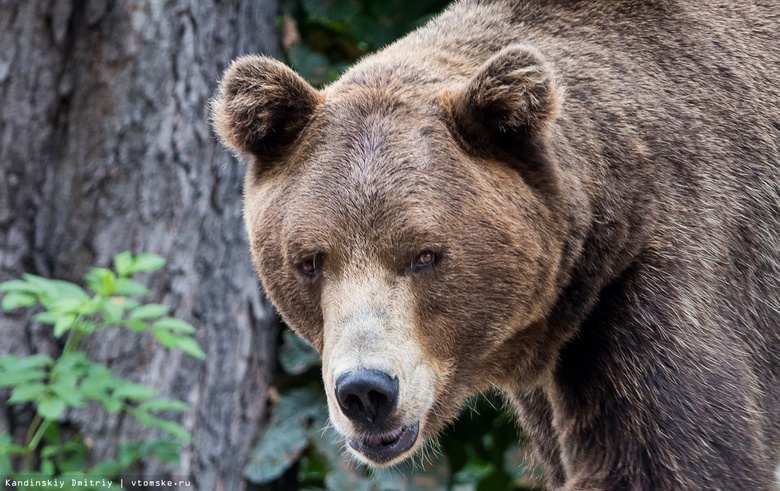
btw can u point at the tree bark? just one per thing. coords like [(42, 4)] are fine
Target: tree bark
[(105, 146)]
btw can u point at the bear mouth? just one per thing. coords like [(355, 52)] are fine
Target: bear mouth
[(384, 447)]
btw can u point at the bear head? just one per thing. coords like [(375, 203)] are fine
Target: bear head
[(405, 221)]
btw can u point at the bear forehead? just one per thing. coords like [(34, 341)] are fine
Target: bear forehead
[(367, 114), (371, 169), (367, 151), (368, 192)]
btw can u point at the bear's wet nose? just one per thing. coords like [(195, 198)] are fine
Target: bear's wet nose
[(367, 396)]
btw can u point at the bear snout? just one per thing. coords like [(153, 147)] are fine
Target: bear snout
[(367, 397)]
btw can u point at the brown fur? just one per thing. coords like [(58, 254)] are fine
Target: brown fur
[(600, 182)]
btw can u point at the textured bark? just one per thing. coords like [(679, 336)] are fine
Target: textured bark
[(105, 146)]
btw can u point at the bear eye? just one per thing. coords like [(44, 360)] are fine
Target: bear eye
[(424, 260), (312, 266)]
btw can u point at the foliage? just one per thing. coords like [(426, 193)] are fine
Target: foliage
[(477, 453), (322, 38), (53, 385)]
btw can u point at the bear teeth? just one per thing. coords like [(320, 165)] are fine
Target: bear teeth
[(382, 448), (384, 439)]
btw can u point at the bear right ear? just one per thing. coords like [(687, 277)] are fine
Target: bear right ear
[(261, 107), (511, 100)]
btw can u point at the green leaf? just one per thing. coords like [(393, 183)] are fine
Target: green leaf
[(15, 300), (174, 429), (110, 468), (175, 325), (62, 324), (164, 405), (71, 363), (49, 291), (66, 289), (368, 30), (129, 453), (47, 467), (7, 450), (113, 406), (407, 476), (133, 391), (165, 338), (66, 305), (71, 398), (136, 325), (51, 407), (27, 393), (6, 469), (99, 372), (10, 379), (47, 317), (90, 306), (73, 455), (474, 471), (7, 445), (348, 481), (310, 64), (149, 311), (113, 309), (279, 447), (11, 362), (129, 303), (7, 361), (18, 286), (333, 10), (68, 390), (147, 262), (287, 434), (296, 355), (41, 284), (328, 447), (184, 343), (123, 263), (126, 286), (50, 451), (164, 450), (97, 382), (303, 404), (52, 434), (101, 281), (191, 347)]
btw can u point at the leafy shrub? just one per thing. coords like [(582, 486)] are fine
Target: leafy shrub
[(52, 385), (322, 38)]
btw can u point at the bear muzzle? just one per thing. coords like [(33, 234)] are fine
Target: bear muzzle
[(368, 398), (386, 447)]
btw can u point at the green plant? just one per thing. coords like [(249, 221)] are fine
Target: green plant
[(52, 385), (321, 39)]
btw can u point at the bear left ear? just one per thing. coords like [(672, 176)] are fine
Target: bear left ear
[(513, 96), (261, 107)]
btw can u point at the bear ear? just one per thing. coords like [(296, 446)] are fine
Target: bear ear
[(261, 107), (511, 99)]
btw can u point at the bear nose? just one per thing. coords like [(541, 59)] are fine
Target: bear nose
[(367, 396)]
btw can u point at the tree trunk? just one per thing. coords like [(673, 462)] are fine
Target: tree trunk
[(105, 146)]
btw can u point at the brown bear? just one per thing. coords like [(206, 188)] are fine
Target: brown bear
[(575, 202)]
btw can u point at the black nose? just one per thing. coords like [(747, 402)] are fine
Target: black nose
[(367, 396)]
